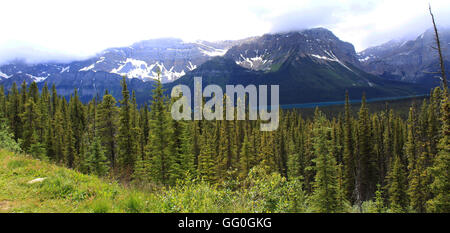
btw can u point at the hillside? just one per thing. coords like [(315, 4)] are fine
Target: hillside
[(67, 191), (408, 60)]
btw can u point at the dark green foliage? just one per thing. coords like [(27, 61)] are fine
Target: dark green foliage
[(327, 190), (315, 164), (126, 141), (160, 149), (96, 161)]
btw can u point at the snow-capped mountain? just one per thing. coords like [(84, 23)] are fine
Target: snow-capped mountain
[(172, 57), (407, 60), (309, 65), (142, 60), (264, 53)]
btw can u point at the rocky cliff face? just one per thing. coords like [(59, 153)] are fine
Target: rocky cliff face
[(309, 66), (407, 60), (266, 53)]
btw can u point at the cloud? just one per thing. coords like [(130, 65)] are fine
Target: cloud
[(318, 14), (364, 23), (53, 30), (32, 54)]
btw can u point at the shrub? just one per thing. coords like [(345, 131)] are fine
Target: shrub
[(7, 139), (134, 204), (101, 206), (273, 193)]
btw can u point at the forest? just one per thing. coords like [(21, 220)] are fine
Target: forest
[(371, 162)]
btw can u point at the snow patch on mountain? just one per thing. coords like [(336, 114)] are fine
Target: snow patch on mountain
[(101, 60), (3, 75), (87, 68), (36, 78), (254, 63), (191, 67), (213, 52), (65, 69), (134, 68), (331, 57)]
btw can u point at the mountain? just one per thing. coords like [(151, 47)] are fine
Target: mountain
[(310, 66), (173, 57), (139, 62), (408, 60)]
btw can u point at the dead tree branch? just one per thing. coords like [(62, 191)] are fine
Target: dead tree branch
[(441, 59)]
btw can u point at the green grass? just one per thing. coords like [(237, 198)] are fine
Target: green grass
[(64, 190), (67, 191)]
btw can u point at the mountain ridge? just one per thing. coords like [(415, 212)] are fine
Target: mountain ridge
[(314, 62)]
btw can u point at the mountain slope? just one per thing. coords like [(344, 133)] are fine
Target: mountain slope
[(33, 186), (142, 60), (306, 72), (408, 60), (310, 66)]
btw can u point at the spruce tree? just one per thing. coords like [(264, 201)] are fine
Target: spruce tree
[(107, 127), (183, 163), (246, 158), (30, 123), (3, 110), (207, 157), (96, 160), (348, 157), (440, 170), (397, 186), (417, 190), (160, 149), (125, 140), (365, 162), (325, 198), (14, 111)]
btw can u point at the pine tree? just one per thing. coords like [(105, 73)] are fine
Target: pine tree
[(207, 156), (107, 127), (397, 186), (14, 111), (348, 157), (36, 149), (55, 100), (126, 141), (33, 92), (325, 197), (30, 122), (183, 156), (246, 158), (365, 162), (69, 139), (379, 201), (440, 170), (416, 165), (78, 123), (96, 160), (266, 153), (3, 110), (59, 135), (226, 154), (160, 149)]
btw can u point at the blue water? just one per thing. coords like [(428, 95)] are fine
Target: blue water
[(322, 104)]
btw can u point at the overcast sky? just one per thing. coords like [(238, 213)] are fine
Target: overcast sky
[(64, 30)]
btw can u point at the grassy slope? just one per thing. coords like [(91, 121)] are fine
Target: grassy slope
[(63, 190), (66, 190)]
